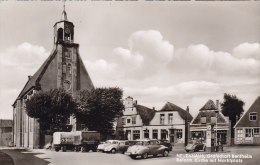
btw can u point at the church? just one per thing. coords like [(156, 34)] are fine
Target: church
[(64, 68)]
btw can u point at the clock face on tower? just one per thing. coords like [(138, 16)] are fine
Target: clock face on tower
[(67, 30)]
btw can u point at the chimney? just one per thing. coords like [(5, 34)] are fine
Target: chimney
[(153, 108), (188, 109), (217, 104), (29, 77)]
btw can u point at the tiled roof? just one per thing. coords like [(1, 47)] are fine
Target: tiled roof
[(172, 107), (244, 120), (210, 105)]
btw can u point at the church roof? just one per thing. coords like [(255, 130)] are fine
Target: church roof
[(45, 78), (172, 107), (33, 81), (210, 105), (244, 120)]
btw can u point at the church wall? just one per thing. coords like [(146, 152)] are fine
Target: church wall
[(48, 82)]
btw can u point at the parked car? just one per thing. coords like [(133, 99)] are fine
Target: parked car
[(101, 147), (167, 144), (195, 146), (147, 147), (119, 146)]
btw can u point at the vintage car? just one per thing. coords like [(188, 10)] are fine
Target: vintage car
[(101, 147), (119, 146), (195, 146), (147, 147), (167, 144)]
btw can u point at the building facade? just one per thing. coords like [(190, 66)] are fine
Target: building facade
[(62, 69), (170, 123), (247, 129), (210, 122), (6, 132)]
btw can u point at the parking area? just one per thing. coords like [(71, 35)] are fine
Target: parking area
[(24, 157)]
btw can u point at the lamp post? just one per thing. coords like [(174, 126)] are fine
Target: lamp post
[(216, 137)]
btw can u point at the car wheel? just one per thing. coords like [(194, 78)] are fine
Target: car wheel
[(113, 151), (165, 153), (82, 149), (64, 149), (155, 155), (187, 151), (132, 156), (196, 150), (57, 149), (144, 155)]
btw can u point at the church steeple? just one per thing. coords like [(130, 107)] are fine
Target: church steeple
[(64, 14), (64, 29)]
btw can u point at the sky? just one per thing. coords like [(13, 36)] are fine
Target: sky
[(181, 52)]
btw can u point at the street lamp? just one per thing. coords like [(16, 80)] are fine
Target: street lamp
[(216, 137)]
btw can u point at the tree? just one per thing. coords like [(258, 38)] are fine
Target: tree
[(233, 108), (99, 108), (52, 108)]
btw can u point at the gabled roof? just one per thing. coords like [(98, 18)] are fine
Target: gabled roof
[(145, 113), (45, 77), (244, 120), (172, 107), (210, 105)]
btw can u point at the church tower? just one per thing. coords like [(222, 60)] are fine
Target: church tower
[(63, 68)]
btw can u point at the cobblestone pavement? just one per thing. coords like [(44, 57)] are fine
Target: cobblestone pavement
[(249, 155)]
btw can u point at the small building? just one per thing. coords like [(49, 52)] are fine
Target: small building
[(247, 129), (6, 132), (170, 123), (210, 115)]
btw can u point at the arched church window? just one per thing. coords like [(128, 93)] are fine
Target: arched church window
[(60, 34), (69, 68)]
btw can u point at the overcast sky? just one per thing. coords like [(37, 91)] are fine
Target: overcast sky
[(182, 52)]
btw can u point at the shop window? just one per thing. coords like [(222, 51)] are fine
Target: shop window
[(146, 133), (163, 134), (203, 120), (170, 118), (136, 134), (155, 134), (179, 133), (248, 133), (252, 116), (256, 131), (162, 118)]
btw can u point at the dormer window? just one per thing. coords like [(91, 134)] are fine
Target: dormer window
[(203, 120), (162, 118), (253, 116)]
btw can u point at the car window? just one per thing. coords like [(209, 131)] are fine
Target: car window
[(126, 143)]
